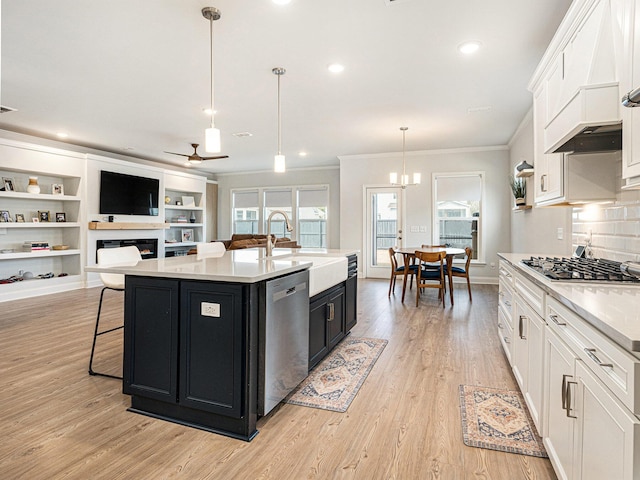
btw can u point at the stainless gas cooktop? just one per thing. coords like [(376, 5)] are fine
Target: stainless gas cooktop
[(577, 269)]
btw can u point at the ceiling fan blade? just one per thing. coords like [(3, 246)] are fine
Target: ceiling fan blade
[(181, 154), (215, 158)]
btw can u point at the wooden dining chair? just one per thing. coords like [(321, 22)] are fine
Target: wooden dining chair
[(464, 272), (432, 265), (431, 278), (399, 270)]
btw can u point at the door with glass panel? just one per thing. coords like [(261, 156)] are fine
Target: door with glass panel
[(383, 219)]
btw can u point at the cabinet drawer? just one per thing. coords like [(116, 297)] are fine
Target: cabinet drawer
[(506, 273), (505, 300), (505, 332), (531, 294), (616, 368)]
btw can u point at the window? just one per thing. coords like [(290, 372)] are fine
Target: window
[(245, 211), (312, 216), (458, 206), (307, 208), (278, 200)]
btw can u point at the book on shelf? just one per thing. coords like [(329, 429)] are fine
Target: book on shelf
[(34, 246)]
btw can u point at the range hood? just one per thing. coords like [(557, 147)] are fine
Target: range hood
[(589, 122)]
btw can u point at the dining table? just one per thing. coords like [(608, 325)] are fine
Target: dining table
[(408, 253)]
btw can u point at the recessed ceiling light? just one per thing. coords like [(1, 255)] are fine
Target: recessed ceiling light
[(469, 47), (128, 148), (484, 108), (302, 154), (62, 135), (242, 134), (336, 68), (281, 2)]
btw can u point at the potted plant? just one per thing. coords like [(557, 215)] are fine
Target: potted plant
[(519, 189)]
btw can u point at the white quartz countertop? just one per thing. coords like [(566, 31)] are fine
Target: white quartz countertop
[(614, 310), (241, 266)]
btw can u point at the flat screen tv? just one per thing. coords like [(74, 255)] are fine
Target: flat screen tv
[(122, 194)]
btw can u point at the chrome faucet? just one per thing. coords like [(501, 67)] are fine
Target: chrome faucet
[(271, 243)]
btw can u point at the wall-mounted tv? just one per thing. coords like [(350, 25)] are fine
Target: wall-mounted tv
[(122, 194)]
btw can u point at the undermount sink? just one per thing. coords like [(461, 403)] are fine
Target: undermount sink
[(325, 272)]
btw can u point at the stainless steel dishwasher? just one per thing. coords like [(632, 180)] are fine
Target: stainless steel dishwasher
[(284, 339)]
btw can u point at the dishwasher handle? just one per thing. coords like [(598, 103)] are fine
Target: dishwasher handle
[(287, 292)]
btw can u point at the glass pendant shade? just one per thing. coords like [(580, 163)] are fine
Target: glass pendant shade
[(279, 164), (417, 178), (212, 140), (393, 177), (404, 178)]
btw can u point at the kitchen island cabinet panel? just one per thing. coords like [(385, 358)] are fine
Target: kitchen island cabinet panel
[(151, 338), (211, 348)]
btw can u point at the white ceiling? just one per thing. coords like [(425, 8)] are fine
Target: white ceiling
[(135, 74)]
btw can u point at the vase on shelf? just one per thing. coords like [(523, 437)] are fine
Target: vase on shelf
[(192, 218), (33, 186), (521, 201)]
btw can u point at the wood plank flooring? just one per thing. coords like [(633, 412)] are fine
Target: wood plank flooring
[(58, 422)]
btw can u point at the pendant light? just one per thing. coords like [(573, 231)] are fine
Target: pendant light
[(404, 178), (279, 163), (212, 134)]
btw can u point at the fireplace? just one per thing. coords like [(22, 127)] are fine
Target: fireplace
[(148, 246)]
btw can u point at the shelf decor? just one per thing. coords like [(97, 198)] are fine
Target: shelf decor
[(519, 190), (33, 186)]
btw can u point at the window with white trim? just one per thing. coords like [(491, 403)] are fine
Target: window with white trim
[(307, 208), (457, 216)]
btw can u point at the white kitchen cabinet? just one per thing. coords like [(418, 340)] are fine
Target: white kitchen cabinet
[(184, 219), (505, 308), (528, 339), (630, 80), (549, 168), (558, 425), (606, 434)]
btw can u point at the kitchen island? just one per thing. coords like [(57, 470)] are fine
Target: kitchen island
[(202, 337)]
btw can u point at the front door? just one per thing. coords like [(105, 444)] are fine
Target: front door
[(383, 220)]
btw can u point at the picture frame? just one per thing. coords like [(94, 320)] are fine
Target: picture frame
[(57, 189), (19, 218), (61, 217), (35, 219), (5, 217), (44, 216), (187, 234), (188, 201), (8, 184)]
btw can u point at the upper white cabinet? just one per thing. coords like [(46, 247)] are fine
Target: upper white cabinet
[(630, 79), (575, 87)]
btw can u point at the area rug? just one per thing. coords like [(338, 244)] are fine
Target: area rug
[(498, 419), (334, 382)]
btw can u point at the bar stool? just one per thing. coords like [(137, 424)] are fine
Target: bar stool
[(209, 250), (110, 257)]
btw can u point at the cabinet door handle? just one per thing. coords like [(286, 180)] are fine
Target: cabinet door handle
[(507, 303), (500, 326), (556, 321), (332, 311), (543, 187), (564, 391), (506, 340), (569, 399), (521, 327), (501, 294), (591, 352)]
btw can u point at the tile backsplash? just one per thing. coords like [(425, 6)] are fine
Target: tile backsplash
[(614, 228)]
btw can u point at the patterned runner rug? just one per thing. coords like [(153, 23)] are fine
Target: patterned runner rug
[(498, 419), (334, 382)]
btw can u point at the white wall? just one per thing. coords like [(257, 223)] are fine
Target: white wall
[(535, 230), (356, 171), (292, 178)]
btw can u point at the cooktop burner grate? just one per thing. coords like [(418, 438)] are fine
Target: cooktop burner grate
[(576, 269)]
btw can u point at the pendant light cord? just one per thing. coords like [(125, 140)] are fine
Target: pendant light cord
[(211, 41), (279, 119)]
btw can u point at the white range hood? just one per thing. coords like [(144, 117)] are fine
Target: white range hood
[(592, 108)]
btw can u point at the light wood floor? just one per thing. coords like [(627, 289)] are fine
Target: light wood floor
[(58, 422)]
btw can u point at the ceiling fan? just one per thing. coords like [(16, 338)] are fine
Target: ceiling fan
[(196, 159)]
